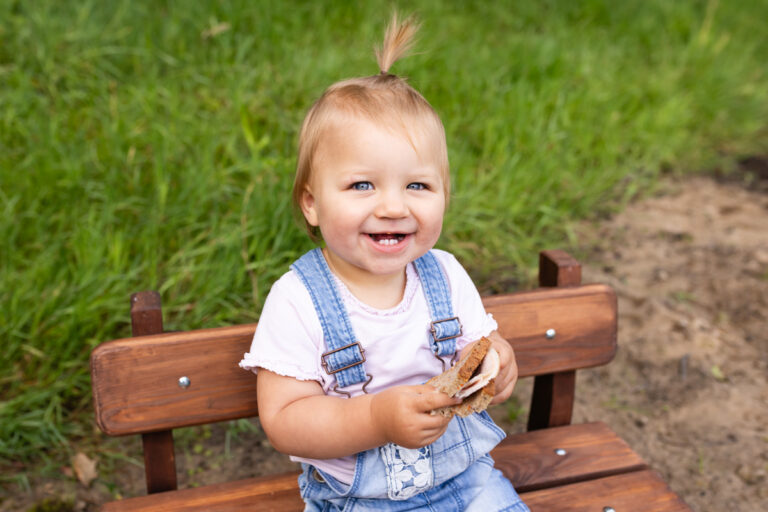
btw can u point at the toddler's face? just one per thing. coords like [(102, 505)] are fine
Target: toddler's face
[(379, 205)]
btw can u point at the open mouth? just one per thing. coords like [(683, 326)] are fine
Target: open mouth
[(387, 238)]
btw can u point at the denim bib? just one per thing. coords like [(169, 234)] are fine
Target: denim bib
[(344, 358), (453, 470)]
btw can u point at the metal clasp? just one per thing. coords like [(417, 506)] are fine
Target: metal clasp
[(331, 372), (434, 331), (347, 393)]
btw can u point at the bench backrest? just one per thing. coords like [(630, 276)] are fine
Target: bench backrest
[(138, 383), (136, 380)]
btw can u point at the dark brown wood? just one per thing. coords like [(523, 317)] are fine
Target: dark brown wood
[(136, 390), (639, 491), (552, 400), (558, 268), (592, 450), (159, 454), (159, 461), (554, 394), (146, 313), (583, 317), (135, 380), (529, 461), (279, 493)]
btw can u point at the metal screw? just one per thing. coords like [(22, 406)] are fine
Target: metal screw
[(550, 334), (184, 382), (608, 509), (560, 452)]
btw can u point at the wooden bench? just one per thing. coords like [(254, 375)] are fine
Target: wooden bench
[(138, 388)]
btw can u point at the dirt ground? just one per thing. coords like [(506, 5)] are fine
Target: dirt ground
[(688, 388)]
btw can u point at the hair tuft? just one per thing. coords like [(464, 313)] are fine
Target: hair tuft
[(398, 40)]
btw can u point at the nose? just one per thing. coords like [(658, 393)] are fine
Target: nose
[(392, 205)]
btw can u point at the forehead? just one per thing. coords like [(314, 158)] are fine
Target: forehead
[(348, 129)]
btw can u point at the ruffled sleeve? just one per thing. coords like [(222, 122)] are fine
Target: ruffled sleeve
[(289, 336)]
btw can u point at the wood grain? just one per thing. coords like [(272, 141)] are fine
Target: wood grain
[(583, 318), (639, 491), (529, 461), (159, 453), (558, 268), (279, 493), (552, 400), (592, 450), (135, 380), (554, 394)]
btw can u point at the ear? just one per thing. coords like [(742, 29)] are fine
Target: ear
[(308, 207)]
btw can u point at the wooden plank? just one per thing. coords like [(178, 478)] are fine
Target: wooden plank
[(639, 491), (558, 268), (529, 460), (278, 493), (583, 319), (552, 400), (159, 461), (135, 380), (554, 394), (159, 454), (591, 450)]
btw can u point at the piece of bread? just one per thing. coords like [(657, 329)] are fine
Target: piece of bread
[(472, 377)]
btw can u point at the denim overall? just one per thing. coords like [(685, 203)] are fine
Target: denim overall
[(453, 473)]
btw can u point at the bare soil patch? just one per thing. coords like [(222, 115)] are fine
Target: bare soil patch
[(688, 388)]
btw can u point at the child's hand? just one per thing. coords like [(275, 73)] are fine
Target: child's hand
[(507, 377), (402, 414)]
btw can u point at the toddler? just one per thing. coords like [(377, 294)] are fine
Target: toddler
[(348, 337)]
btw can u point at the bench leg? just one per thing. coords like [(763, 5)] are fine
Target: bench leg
[(159, 457), (552, 400), (159, 461)]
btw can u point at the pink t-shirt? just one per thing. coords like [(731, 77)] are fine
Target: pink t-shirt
[(289, 338)]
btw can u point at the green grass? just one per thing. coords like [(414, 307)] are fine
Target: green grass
[(152, 145)]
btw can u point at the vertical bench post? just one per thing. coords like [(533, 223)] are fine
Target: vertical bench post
[(159, 457), (554, 393)]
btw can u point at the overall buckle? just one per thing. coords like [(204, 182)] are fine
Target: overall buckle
[(433, 329), (331, 372)]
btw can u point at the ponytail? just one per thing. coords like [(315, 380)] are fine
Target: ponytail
[(398, 40)]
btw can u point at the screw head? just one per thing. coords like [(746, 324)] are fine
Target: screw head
[(550, 333), (608, 509), (184, 382), (561, 452)]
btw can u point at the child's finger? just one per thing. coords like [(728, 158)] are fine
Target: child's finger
[(430, 398)]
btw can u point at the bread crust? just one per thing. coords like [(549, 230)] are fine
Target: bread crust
[(452, 380)]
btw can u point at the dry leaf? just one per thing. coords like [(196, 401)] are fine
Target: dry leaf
[(85, 468), (215, 30)]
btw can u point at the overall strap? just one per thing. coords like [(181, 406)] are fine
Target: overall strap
[(445, 327), (344, 358)]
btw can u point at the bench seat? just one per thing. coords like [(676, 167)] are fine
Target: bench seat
[(592, 451), (638, 491), (154, 382)]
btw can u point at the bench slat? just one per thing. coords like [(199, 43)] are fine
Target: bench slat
[(135, 380), (592, 450), (639, 491), (583, 318), (527, 459), (278, 493)]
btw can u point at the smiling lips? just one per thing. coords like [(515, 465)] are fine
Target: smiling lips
[(387, 238)]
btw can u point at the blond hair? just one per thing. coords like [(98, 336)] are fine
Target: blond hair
[(384, 99)]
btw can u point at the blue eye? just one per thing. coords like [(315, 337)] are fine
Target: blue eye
[(416, 186), (362, 185)]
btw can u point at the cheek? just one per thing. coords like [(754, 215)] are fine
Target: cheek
[(432, 222), (339, 224)]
